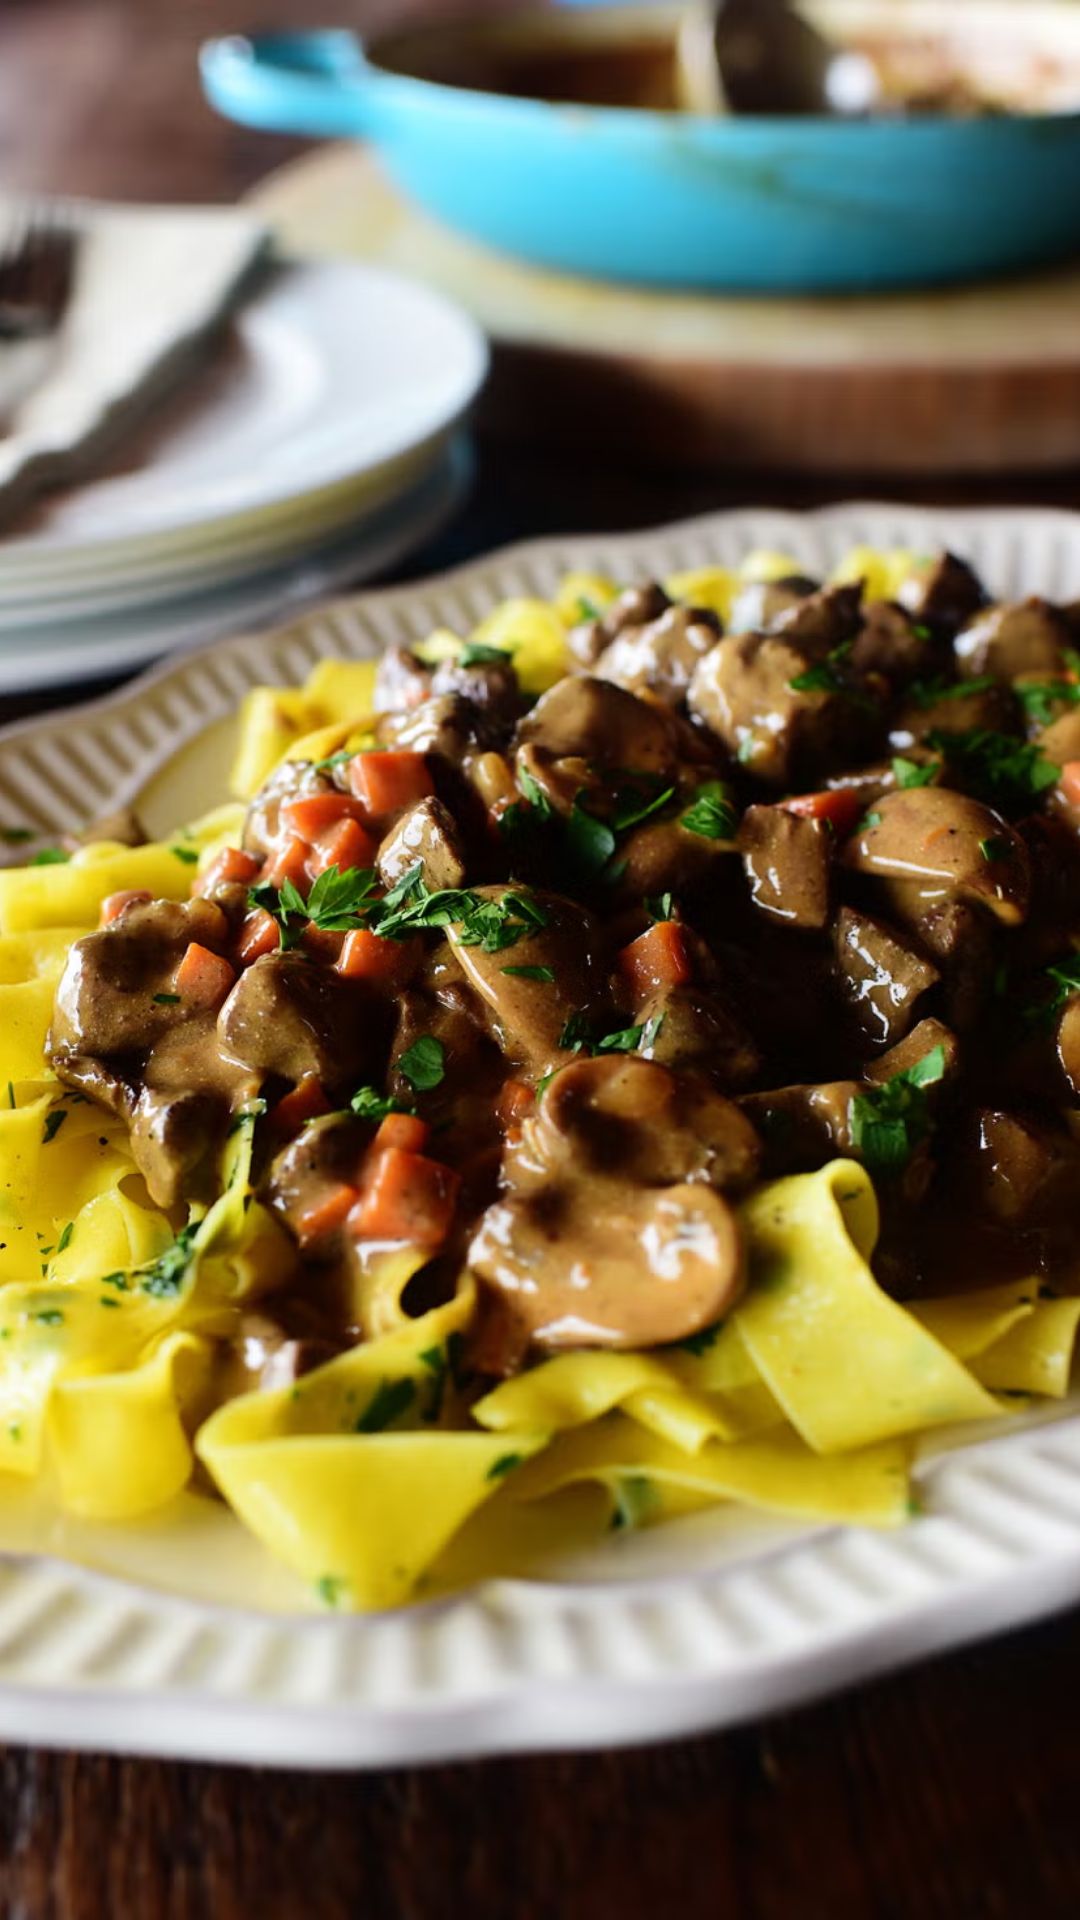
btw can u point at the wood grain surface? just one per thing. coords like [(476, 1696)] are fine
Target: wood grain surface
[(950, 1792)]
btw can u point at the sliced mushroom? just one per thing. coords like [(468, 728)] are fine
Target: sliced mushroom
[(530, 990), (609, 1232), (930, 843), (624, 1117), (923, 1039)]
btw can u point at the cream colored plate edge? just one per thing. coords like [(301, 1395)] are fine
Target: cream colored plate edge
[(661, 1634)]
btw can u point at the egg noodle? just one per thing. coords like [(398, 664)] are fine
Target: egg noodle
[(374, 1477)]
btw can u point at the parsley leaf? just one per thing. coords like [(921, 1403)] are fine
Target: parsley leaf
[(165, 1276), (189, 855), (166, 999), (336, 903), (369, 1104), (908, 773), (390, 1400), (424, 1063), (928, 693), (632, 806), (49, 857), (826, 676), (53, 1123), (590, 842), (505, 1464), (475, 654), (544, 975), (888, 1122), (1064, 978), (1004, 773), (632, 1039), (1041, 699), (995, 847), (660, 907), (712, 814)]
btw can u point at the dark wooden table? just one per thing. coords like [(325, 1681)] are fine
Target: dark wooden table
[(951, 1792)]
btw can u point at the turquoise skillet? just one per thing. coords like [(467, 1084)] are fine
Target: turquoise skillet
[(666, 199)]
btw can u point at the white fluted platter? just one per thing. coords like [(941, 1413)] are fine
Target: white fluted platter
[(179, 1637)]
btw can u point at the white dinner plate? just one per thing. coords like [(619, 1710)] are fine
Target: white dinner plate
[(331, 372), (120, 640), (180, 1636), (268, 544)]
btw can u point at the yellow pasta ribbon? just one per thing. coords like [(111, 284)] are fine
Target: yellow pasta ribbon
[(847, 1364)]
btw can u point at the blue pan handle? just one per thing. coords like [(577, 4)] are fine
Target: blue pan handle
[(312, 83)]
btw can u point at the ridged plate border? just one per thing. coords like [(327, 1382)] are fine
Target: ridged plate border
[(88, 1661)]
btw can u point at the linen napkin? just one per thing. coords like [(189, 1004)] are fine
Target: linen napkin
[(150, 285)]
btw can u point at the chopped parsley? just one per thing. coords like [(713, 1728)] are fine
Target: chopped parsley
[(699, 1343), (11, 1094), (587, 609), (1042, 699), (64, 1241), (165, 1276), (16, 836), (826, 676), (247, 1116), (1003, 773), (1064, 981), (635, 1498), (189, 855), (632, 1039), (424, 1063), (336, 903), (995, 847), (543, 975), (390, 1400), (928, 693), (47, 1316), (590, 842), (53, 1123), (660, 907), (633, 806), (475, 654), (49, 857), (330, 1588), (711, 814), (909, 773), (369, 1104), (871, 819), (166, 999), (505, 1464), (888, 1122)]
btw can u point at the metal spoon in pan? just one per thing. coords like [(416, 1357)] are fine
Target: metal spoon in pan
[(763, 57)]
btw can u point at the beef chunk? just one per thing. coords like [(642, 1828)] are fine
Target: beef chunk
[(882, 976), (287, 1017), (788, 860)]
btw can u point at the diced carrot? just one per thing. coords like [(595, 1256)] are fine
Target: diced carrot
[(117, 903), (1069, 783), (203, 978), (659, 957), (401, 1130), (310, 814), (307, 1101), (342, 846), (405, 1197), (839, 807), (231, 867), (514, 1104), (367, 956), (288, 862), (389, 782), (330, 1210), (259, 934)]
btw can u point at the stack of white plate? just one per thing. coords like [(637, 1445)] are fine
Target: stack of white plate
[(321, 443)]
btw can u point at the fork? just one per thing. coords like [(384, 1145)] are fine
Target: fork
[(37, 271)]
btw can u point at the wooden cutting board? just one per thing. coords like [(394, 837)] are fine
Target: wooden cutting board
[(983, 379)]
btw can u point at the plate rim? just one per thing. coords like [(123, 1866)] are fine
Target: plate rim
[(473, 1675)]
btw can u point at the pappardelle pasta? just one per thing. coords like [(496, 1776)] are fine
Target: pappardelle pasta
[(617, 1062)]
